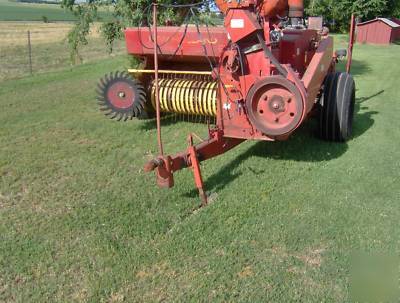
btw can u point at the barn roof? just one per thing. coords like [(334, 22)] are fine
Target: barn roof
[(389, 22)]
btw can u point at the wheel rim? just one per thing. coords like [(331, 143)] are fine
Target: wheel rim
[(121, 95)]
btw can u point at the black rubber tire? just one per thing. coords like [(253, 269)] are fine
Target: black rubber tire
[(337, 107)]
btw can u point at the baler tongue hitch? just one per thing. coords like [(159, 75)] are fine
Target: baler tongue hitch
[(258, 78), (153, 164)]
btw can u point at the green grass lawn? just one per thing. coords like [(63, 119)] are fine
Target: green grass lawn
[(18, 11), (81, 221)]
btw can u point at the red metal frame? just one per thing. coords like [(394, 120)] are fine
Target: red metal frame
[(351, 43), (215, 145), (278, 82), (140, 40), (157, 92)]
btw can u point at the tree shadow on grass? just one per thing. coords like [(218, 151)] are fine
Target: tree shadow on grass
[(302, 147)]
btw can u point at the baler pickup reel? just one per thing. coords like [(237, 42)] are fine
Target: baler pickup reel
[(259, 77)]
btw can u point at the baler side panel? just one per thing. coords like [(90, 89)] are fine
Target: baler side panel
[(173, 41), (296, 48), (316, 72)]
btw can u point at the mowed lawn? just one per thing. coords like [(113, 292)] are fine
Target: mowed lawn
[(80, 220)]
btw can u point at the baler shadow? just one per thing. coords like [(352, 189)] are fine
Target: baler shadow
[(357, 67), (365, 99), (363, 119), (303, 147), (170, 119)]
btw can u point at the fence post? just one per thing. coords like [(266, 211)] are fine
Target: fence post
[(30, 52)]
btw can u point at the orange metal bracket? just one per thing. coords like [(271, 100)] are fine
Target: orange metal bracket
[(351, 43), (197, 171)]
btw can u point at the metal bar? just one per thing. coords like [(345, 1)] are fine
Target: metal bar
[(167, 165), (159, 138), (317, 70), (163, 71), (198, 179), (351, 43)]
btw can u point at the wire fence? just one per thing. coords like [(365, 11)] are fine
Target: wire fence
[(33, 51)]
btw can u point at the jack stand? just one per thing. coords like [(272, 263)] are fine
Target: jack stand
[(197, 172)]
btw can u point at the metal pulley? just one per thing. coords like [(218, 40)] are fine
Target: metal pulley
[(275, 106)]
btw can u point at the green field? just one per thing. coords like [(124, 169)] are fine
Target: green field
[(17, 11), (80, 220), (50, 56)]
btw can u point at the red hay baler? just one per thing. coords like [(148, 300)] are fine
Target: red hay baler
[(259, 77)]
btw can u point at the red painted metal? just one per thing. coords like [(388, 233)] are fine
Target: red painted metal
[(275, 106), (396, 31), (139, 42), (269, 9), (225, 6), (198, 179), (296, 8), (296, 48), (351, 43), (378, 31), (121, 95), (320, 65), (266, 89), (273, 8), (155, 50), (240, 24), (165, 166)]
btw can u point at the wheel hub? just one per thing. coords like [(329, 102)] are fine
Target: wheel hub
[(121, 96), (276, 104)]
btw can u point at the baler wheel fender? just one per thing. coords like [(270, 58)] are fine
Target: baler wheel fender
[(337, 107), (121, 97)]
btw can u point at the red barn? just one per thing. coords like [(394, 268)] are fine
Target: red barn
[(378, 31)]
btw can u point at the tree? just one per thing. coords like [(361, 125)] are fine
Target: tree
[(337, 12)]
